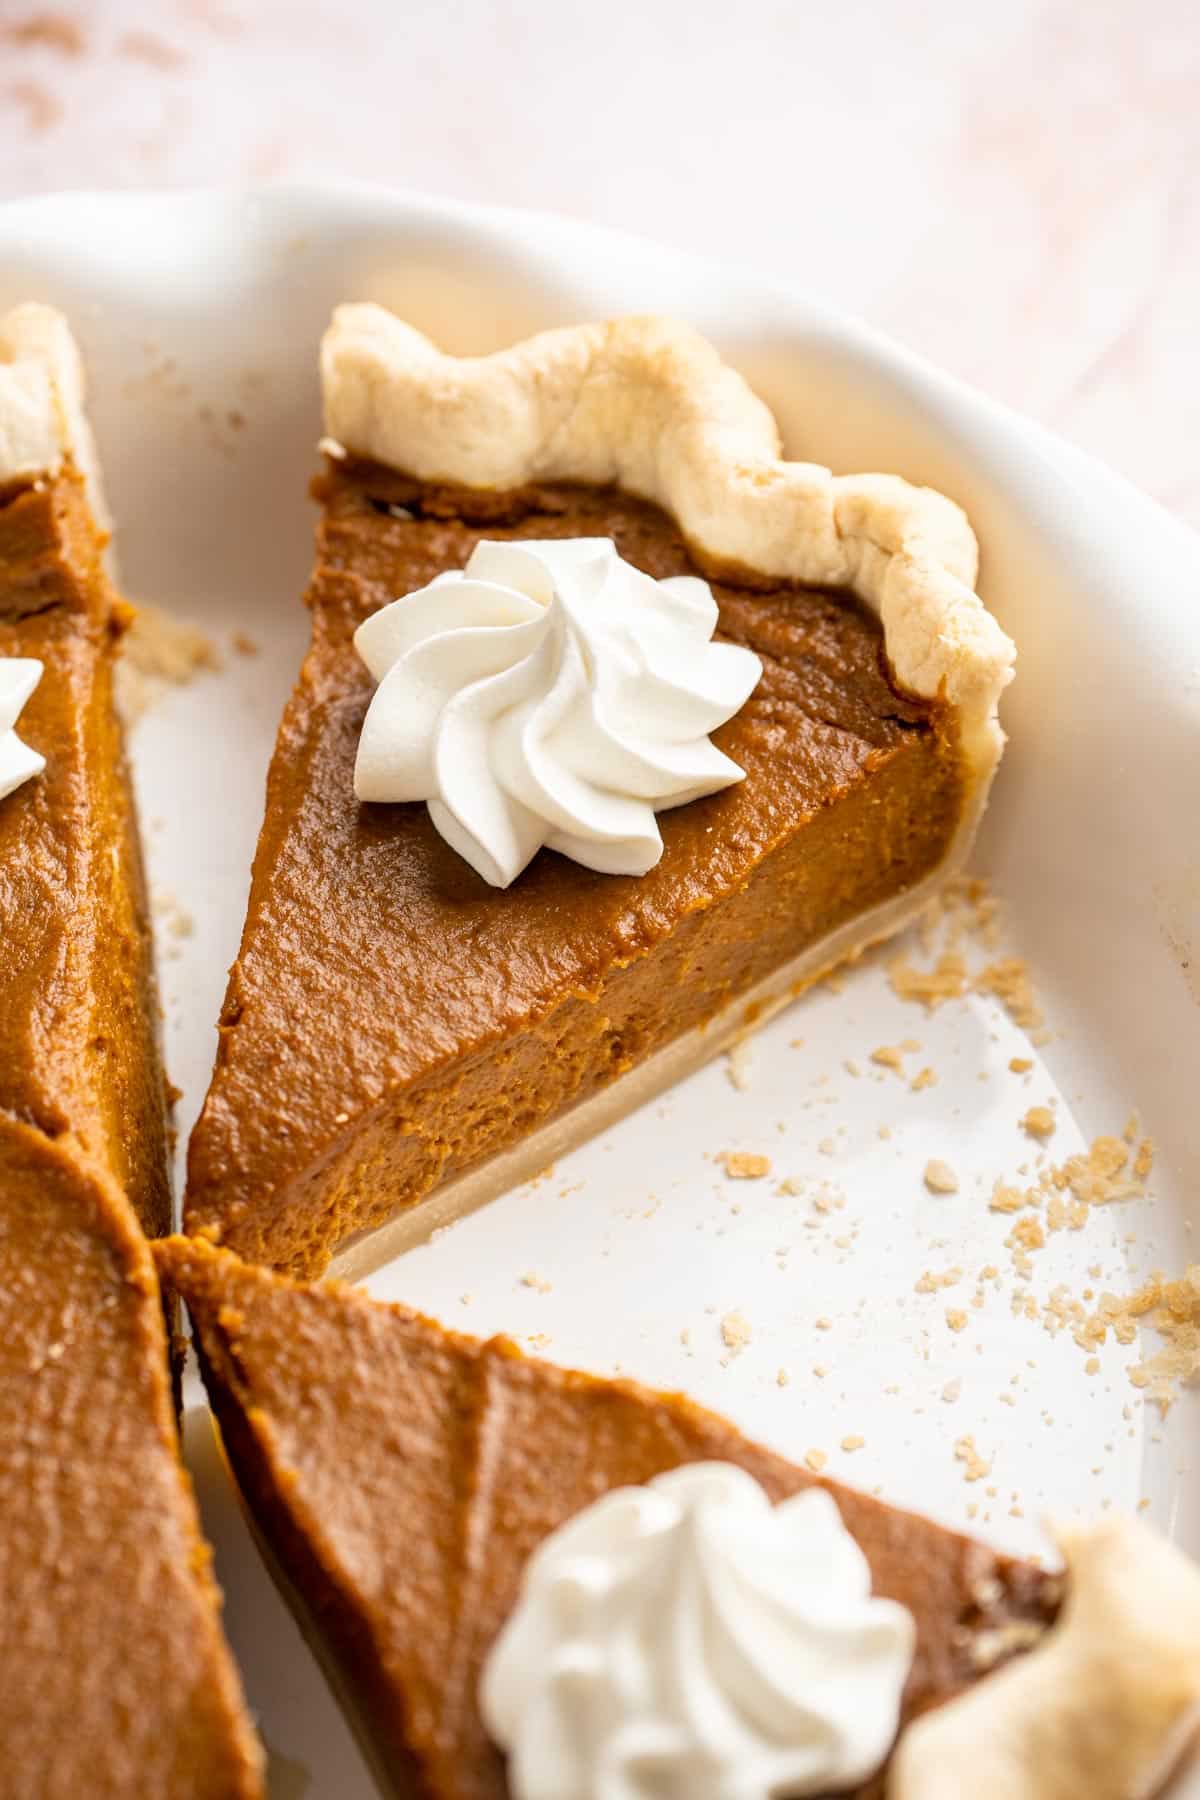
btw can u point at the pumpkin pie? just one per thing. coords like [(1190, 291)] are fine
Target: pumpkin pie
[(403, 1037), (114, 1678), (401, 1476)]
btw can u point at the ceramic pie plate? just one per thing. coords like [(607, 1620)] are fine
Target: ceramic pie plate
[(796, 1303)]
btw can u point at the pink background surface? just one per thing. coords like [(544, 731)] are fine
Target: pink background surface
[(1013, 190)]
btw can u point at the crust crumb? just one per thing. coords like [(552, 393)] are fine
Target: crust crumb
[(175, 918), (735, 1332), (1009, 981), (931, 1283), (930, 988), (940, 1178), (987, 1648), (975, 1466), (925, 1078), (1039, 1122), (889, 1056), (745, 1165), (1020, 1065)]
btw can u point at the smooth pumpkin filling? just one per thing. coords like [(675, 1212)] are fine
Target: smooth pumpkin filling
[(392, 1020), (78, 1012)]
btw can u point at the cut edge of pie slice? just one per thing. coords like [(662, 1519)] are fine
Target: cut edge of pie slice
[(639, 407), (400, 1475), (80, 1054), (116, 1679)]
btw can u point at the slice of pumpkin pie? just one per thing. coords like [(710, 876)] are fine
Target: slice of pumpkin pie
[(115, 1679), (492, 1554), (616, 730)]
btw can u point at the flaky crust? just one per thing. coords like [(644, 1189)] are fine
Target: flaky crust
[(647, 404), (1104, 1707), (43, 423)]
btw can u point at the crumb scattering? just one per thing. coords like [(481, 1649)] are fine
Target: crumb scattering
[(853, 1441), (889, 1056), (1039, 1122), (1171, 1309), (816, 1460), (939, 1177), (956, 1318), (538, 1282)]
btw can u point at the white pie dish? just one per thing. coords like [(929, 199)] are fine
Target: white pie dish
[(199, 316)]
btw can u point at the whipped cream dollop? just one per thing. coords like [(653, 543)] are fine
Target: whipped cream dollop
[(549, 693), (688, 1641), (19, 675)]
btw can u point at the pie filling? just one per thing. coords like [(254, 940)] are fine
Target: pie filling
[(393, 1023), (78, 1012)]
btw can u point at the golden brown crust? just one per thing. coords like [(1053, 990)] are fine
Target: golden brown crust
[(1104, 1707)]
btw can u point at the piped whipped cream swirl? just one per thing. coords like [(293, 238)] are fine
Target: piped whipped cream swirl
[(688, 1641), (19, 675), (549, 693)]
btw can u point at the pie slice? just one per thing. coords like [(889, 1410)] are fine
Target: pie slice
[(401, 1039), (400, 1476), (115, 1679)]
